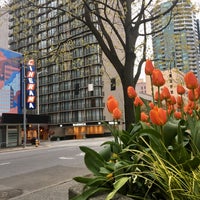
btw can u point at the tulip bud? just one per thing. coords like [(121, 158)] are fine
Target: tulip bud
[(165, 93), (156, 96), (172, 100), (193, 95), (191, 80), (131, 92), (157, 78), (177, 115), (112, 103), (149, 67), (117, 114), (180, 89), (179, 101), (138, 101), (158, 116), (144, 117)]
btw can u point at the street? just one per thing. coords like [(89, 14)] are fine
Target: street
[(28, 170)]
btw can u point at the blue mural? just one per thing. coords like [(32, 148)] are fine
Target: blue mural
[(10, 79)]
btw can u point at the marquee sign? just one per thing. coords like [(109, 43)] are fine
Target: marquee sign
[(31, 85)]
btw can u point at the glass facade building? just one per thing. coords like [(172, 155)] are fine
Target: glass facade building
[(69, 65)]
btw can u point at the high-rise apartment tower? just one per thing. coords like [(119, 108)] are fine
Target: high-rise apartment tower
[(178, 44)]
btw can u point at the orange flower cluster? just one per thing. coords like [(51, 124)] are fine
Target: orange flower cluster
[(175, 105), (112, 105), (160, 112)]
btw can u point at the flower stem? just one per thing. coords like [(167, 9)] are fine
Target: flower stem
[(152, 90), (159, 100)]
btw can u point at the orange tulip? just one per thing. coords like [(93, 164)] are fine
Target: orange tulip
[(158, 116), (172, 100), (151, 105), (156, 96), (112, 103), (138, 101), (157, 78), (144, 117), (179, 101), (192, 105), (165, 93), (191, 80), (149, 67), (170, 108), (198, 90), (177, 115), (180, 89), (110, 97), (193, 95), (131, 92), (117, 114), (188, 109)]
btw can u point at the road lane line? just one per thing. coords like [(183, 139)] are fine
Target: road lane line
[(80, 154), (1, 164), (66, 158)]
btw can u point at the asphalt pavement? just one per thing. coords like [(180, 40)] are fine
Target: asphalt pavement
[(57, 191)]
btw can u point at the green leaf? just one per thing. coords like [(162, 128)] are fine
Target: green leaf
[(153, 138), (117, 186), (191, 123), (106, 152), (93, 160), (170, 131), (98, 181), (83, 179), (191, 164), (135, 128), (178, 154), (94, 181), (104, 170), (196, 135)]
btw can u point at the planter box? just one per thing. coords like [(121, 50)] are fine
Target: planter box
[(78, 188)]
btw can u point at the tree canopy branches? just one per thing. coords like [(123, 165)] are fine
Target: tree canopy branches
[(120, 27)]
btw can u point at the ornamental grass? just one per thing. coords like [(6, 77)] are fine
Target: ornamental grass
[(158, 157)]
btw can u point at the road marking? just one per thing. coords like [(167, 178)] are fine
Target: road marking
[(66, 158), (80, 154), (1, 164)]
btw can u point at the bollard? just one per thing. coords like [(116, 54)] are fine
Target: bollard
[(36, 142)]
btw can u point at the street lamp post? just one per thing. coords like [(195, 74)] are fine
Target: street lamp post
[(24, 104), (38, 101)]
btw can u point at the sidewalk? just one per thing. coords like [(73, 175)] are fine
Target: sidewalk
[(54, 192), (27, 147)]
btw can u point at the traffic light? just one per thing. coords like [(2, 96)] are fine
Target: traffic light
[(113, 84)]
